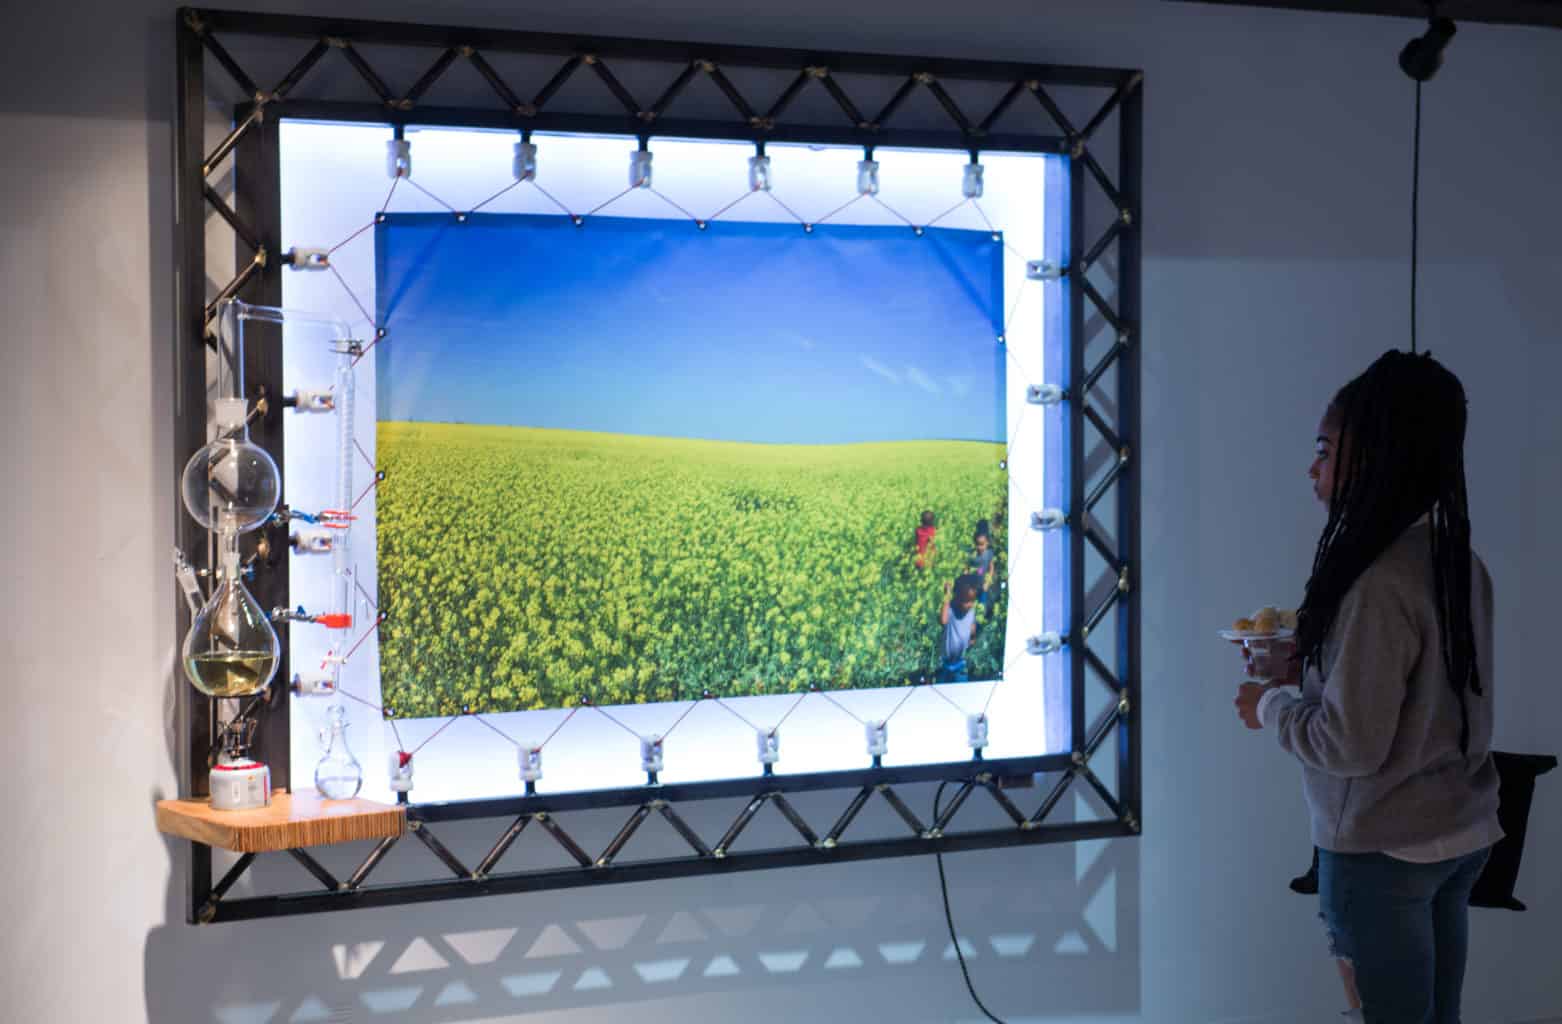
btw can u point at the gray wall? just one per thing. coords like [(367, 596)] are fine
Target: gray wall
[(1278, 161)]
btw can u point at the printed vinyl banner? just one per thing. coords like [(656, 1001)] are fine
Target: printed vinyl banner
[(636, 461)]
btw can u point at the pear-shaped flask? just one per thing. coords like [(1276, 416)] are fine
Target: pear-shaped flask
[(231, 649), (338, 776)]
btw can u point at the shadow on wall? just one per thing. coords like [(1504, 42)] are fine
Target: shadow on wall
[(1050, 928)]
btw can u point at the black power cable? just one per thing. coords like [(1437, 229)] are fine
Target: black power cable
[(1420, 59), (949, 918), (1415, 218)]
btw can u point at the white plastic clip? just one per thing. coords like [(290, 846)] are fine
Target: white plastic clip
[(971, 184), (309, 259), (640, 169), (759, 174), (525, 165), (398, 158), (651, 753), (314, 401), (976, 730), (530, 757), (868, 177), (314, 682), (314, 540), (1044, 394), (769, 741), (1048, 519), (401, 771), (1043, 270), (1046, 643), (878, 737)]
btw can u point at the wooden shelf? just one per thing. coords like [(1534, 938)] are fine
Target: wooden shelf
[(292, 821)]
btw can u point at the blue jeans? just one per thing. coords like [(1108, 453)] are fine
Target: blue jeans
[(1405, 927), (954, 672)]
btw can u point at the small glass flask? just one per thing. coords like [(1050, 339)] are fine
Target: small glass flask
[(338, 776)]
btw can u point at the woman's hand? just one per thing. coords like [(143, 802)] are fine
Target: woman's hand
[(1271, 661), (1248, 696)]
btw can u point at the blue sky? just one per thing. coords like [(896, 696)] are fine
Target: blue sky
[(743, 332)]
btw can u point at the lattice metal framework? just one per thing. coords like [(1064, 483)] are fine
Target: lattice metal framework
[(1100, 415)]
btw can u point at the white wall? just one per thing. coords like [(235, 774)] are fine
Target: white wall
[(1278, 156)]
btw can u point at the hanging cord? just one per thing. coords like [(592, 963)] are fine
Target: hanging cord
[(1415, 218), (949, 918)]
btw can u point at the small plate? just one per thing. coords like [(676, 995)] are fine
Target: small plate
[(1279, 634)]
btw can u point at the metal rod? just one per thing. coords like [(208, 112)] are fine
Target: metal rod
[(673, 91), (315, 868), (847, 815), (1100, 247), (1003, 105), (555, 83), (309, 60), (1130, 83), (790, 814), (788, 95), (843, 101), (1104, 485), (1106, 795), (428, 839), (239, 867), (1077, 409), (906, 813), (1105, 364), (1094, 167), (1129, 400), (950, 107), (744, 817), (682, 828), (615, 86), (1054, 796), (1015, 814), (725, 85), (233, 286), (630, 827), (367, 74), (226, 145), (1099, 302), (1107, 433), (486, 866), (1054, 111), (896, 100), (1106, 553), (498, 84), (1101, 610), (573, 848), (1108, 678), (371, 861), (226, 213), (245, 82), (954, 805), (430, 76)]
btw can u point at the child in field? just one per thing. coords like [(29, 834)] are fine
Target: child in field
[(980, 562), (926, 548), (958, 617)]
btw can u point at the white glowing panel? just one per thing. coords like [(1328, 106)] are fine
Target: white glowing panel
[(334, 182)]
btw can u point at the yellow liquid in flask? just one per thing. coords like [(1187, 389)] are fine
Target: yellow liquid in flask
[(230, 673)]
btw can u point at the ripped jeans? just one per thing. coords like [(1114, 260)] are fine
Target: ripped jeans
[(1404, 926)]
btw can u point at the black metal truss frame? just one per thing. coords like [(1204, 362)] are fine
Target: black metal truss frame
[(255, 217)]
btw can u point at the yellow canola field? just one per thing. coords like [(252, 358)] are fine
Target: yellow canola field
[(526, 568)]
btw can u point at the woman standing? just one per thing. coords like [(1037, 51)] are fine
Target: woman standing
[(1393, 723)]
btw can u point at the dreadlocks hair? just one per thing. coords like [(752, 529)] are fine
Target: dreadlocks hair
[(1401, 452)]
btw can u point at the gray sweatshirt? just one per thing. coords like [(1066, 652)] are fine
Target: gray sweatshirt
[(1377, 732)]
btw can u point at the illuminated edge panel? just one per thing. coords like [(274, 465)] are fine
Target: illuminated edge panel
[(334, 179)]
